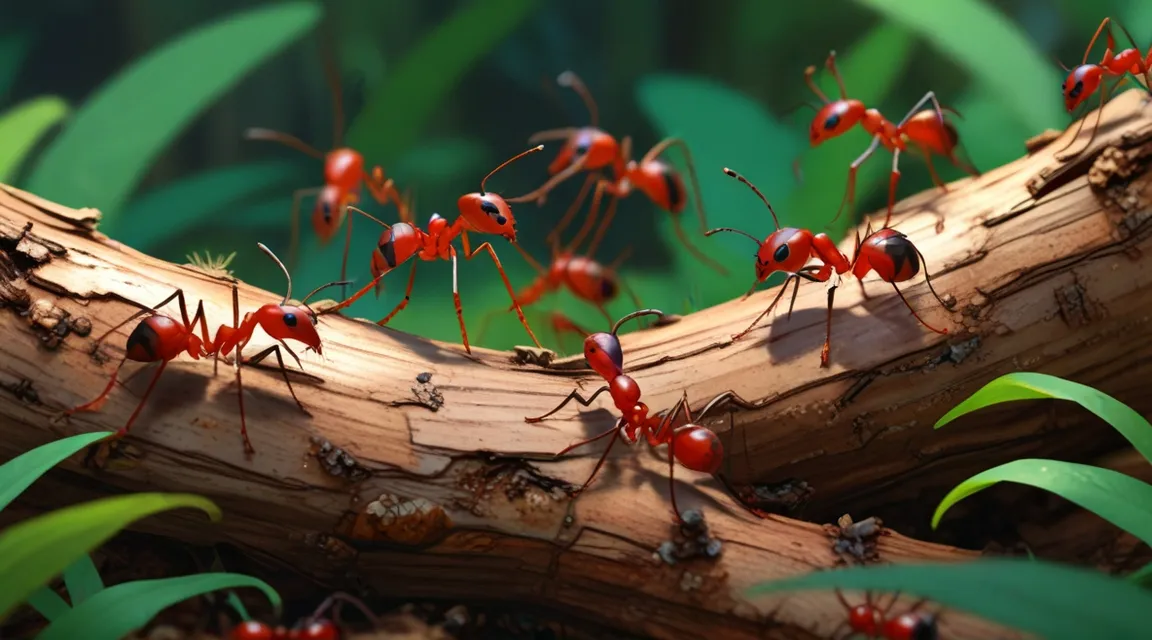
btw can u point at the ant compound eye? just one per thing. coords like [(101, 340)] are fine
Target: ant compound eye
[(832, 122), (501, 219), (781, 253), (290, 319), (1076, 90), (489, 207), (583, 148)]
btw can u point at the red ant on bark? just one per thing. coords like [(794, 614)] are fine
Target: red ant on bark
[(871, 621), (1086, 79), (887, 252), (161, 338), (311, 628), (344, 173), (480, 212), (593, 150), (691, 445), (928, 130)]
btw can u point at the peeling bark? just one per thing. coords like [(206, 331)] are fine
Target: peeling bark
[(423, 485)]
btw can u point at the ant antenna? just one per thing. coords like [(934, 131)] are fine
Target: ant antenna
[(732, 230), (321, 288), (268, 252), (572, 81), (635, 314), (830, 64), (507, 162), (733, 174), (1061, 63), (808, 74)]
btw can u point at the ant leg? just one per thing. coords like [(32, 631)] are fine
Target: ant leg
[(761, 316), (916, 315), (827, 348), (123, 431), (206, 342), (507, 284), (341, 598), (554, 235), (727, 396), (224, 334), (888, 607), (699, 255), (344, 260), (696, 193), (593, 212), (408, 294), (248, 449), (541, 193), (294, 238), (275, 349), (178, 294), (1104, 91), (355, 296), (928, 280), (893, 179), (574, 395), (850, 194), (96, 404), (600, 463)]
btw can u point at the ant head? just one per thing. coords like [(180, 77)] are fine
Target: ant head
[(834, 119), (786, 250), (328, 214), (604, 355), (344, 169), (251, 630), (598, 148), (1081, 83), (487, 212), (864, 619), (288, 322), (697, 448)]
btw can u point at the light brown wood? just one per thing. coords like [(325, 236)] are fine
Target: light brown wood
[(433, 512)]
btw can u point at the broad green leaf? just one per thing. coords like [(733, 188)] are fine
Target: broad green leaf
[(120, 131), (1142, 576), (870, 69), (48, 603), (177, 208), (1120, 499), (1034, 386), (22, 126), (35, 551), (17, 474), (14, 48), (395, 113), (117, 611), (1053, 601), (992, 49), (82, 579), (989, 135)]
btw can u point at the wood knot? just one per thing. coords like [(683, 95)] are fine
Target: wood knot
[(1077, 308), (532, 355), (393, 518)]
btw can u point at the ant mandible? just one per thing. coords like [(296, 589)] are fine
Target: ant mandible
[(311, 628), (873, 622), (481, 212), (1085, 80), (692, 445), (928, 130), (344, 173), (592, 149)]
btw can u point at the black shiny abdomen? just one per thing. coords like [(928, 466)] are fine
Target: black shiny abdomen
[(144, 342)]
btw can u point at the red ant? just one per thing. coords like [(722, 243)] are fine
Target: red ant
[(887, 252), (161, 338), (691, 445), (481, 212), (1084, 80), (873, 622), (344, 173), (312, 628), (928, 130), (592, 149)]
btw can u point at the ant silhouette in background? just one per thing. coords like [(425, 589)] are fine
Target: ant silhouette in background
[(313, 627), (870, 620), (928, 131), (692, 445), (1086, 79), (593, 150), (480, 212)]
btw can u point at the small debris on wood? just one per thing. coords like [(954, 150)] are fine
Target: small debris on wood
[(959, 352), (30, 250), (667, 319), (425, 394), (1041, 140), (423, 378), (1111, 163), (1077, 308), (332, 547), (856, 540), (52, 324), (693, 541), (532, 355), (337, 462), (393, 518), (780, 498), (23, 391)]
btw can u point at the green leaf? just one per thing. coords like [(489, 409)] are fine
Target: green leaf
[(17, 474), (394, 115), (117, 611), (1142, 576), (22, 126), (120, 131), (82, 579), (14, 48), (1033, 386), (36, 550), (1120, 499), (990, 47), (1053, 601), (48, 603), (179, 207)]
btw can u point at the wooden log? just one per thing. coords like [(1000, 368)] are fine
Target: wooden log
[(463, 502)]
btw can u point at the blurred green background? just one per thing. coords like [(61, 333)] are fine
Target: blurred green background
[(137, 108)]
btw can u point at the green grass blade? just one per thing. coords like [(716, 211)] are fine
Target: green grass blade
[(177, 208), (36, 550), (82, 579), (117, 611), (394, 115), (992, 49), (120, 131), (1053, 601), (48, 603), (1120, 499), (22, 126), (1034, 386), (20, 472)]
